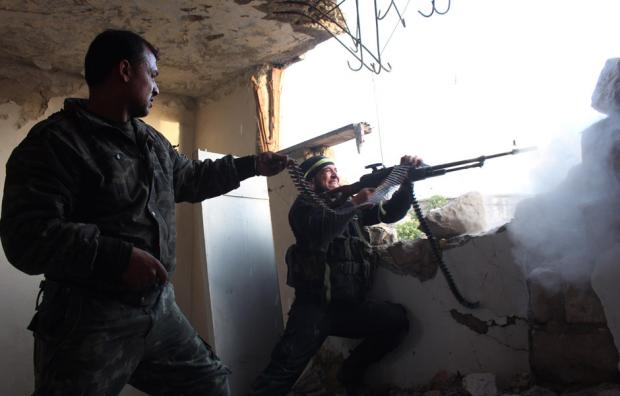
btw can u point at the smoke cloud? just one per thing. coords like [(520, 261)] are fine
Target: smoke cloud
[(568, 228)]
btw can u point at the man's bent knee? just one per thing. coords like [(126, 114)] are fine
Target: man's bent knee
[(398, 321)]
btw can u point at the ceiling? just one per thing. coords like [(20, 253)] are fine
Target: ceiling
[(203, 43)]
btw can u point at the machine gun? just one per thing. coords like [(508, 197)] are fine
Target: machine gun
[(395, 175), (384, 179)]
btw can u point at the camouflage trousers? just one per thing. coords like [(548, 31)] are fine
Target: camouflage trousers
[(89, 345), (381, 326)]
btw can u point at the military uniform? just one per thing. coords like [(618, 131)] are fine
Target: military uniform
[(80, 193), (331, 268)]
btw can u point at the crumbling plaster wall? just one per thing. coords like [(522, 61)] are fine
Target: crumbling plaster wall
[(445, 336), (203, 43)]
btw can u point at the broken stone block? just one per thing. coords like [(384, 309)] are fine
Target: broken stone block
[(411, 257), (463, 215), (381, 234), (570, 355), (480, 384), (546, 302), (582, 304), (606, 98)]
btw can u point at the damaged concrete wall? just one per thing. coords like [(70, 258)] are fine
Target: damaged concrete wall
[(567, 241), (32, 87), (204, 43), (445, 335)]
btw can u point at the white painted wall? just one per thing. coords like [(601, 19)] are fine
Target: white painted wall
[(228, 125)]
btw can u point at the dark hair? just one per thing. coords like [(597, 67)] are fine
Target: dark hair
[(111, 47)]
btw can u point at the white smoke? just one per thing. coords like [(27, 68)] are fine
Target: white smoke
[(567, 228)]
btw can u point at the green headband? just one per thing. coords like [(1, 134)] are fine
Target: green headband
[(317, 164)]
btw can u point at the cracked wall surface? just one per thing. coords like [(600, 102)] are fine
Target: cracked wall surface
[(31, 89), (203, 43), (446, 336)]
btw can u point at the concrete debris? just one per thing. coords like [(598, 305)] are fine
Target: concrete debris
[(605, 97), (480, 384), (411, 257), (463, 215), (382, 234)]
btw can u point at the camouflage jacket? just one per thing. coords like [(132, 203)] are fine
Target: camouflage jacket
[(340, 242), (81, 192)]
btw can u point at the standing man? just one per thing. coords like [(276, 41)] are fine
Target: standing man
[(331, 268), (89, 201)]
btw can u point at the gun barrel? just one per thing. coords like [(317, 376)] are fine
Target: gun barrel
[(425, 172), (481, 159)]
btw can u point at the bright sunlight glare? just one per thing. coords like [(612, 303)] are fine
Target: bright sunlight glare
[(464, 84)]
